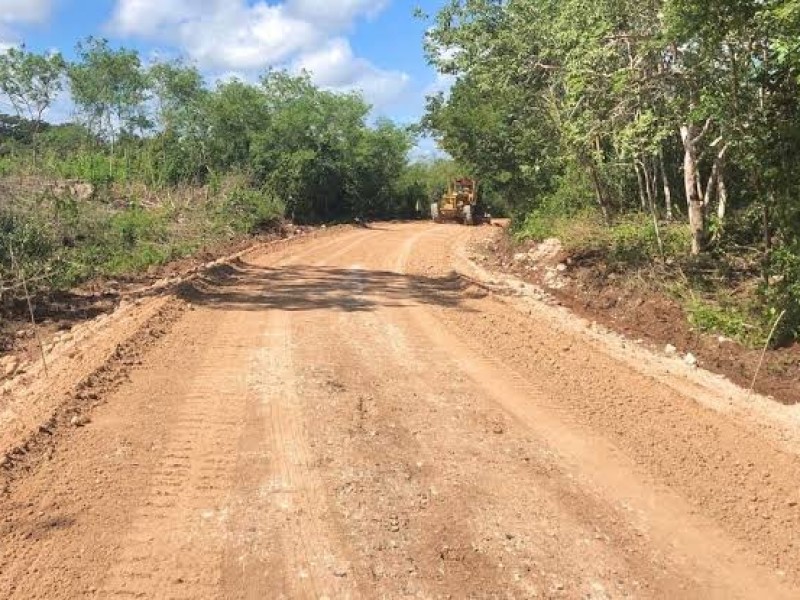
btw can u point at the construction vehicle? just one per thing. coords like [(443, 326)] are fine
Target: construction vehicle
[(459, 204)]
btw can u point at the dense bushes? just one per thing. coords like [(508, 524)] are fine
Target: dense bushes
[(57, 242), (316, 152)]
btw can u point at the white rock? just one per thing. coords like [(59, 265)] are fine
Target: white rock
[(520, 257), (670, 350), (561, 268), (79, 421), (690, 359)]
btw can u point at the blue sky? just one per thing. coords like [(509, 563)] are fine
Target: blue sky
[(371, 45)]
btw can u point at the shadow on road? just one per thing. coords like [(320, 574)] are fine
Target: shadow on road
[(244, 286)]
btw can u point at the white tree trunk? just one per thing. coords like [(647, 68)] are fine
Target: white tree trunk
[(697, 215), (722, 207)]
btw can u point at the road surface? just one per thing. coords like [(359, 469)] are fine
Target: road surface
[(360, 415)]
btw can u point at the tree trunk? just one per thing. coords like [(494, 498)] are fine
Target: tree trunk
[(697, 214), (714, 178), (35, 145), (642, 198), (698, 179), (767, 241), (599, 193), (586, 160), (711, 185), (722, 207), (667, 188), (602, 196), (649, 185), (652, 195)]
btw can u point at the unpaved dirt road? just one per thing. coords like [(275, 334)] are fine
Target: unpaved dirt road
[(357, 416)]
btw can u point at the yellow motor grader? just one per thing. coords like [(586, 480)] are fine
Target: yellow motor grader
[(460, 204)]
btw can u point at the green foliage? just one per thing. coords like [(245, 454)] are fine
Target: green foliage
[(250, 211), (26, 243), (243, 156), (783, 294), (727, 319), (109, 87), (315, 150), (60, 242), (31, 81), (630, 242), (567, 105)]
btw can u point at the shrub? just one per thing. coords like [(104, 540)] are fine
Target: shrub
[(783, 294), (26, 243), (631, 241), (250, 211)]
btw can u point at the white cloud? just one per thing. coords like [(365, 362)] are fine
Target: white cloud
[(218, 34), (21, 12), (240, 36), (25, 11), (335, 67), (335, 13)]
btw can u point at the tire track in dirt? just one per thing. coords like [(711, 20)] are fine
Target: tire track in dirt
[(173, 546), (425, 515), (65, 517), (190, 490), (282, 541), (36, 397), (500, 473)]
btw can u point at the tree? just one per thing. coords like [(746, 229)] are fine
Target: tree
[(304, 150), (181, 113), (110, 88), (234, 114), (32, 83)]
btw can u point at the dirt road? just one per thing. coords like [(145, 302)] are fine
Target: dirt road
[(363, 415)]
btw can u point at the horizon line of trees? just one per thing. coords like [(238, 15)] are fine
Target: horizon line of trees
[(316, 151)]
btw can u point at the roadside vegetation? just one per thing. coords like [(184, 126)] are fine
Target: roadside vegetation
[(659, 138), (157, 163)]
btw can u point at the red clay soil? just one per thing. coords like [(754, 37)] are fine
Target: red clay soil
[(629, 305)]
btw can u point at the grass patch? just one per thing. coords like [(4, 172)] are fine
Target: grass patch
[(731, 321), (59, 242)]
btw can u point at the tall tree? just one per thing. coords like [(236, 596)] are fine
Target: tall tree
[(32, 83), (110, 88)]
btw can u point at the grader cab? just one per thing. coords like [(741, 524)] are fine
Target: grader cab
[(459, 204)]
